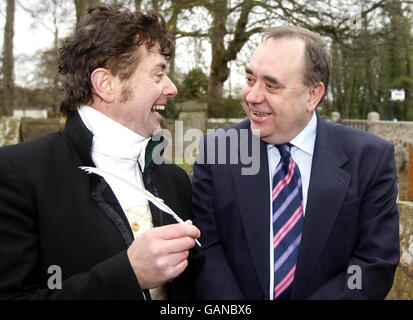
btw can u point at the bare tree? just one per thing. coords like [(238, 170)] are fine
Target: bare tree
[(8, 61), (223, 53), (55, 89), (234, 22), (50, 15)]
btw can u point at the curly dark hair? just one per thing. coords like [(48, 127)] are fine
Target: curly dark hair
[(105, 38)]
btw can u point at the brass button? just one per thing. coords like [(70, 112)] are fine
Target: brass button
[(135, 226)]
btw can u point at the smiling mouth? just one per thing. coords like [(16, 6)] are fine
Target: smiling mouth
[(260, 114), (158, 107)]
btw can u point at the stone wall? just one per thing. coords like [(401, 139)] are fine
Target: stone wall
[(14, 130), (400, 133), (9, 131), (403, 281)]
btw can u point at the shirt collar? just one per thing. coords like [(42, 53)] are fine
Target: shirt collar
[(305, 140), (112, 139)]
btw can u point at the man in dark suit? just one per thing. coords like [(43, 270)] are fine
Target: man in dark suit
[(65, 234), (317, 217)]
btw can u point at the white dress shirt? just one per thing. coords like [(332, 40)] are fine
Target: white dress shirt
[(302, 153)]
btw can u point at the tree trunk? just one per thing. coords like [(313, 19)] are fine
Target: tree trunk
[(138, 4), (216, 90), (173, 27), (8, 62), (221, 55), (155, 5), (56, 54), (82, 5), (219, 69), (116, 5)]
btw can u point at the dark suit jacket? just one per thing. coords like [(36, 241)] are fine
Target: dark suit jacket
[(52, 213), (351, 219)]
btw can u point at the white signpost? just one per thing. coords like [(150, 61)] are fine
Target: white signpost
[(397, 94)]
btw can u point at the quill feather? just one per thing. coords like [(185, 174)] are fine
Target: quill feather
[(158, 202)]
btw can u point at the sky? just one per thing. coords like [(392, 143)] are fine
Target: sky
[(31, 37)]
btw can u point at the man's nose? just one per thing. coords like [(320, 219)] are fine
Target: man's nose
[(254, 94), (170, 89)]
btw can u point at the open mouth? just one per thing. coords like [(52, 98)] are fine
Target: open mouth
[(158, 107)]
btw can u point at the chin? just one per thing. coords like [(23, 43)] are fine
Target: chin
[(156, 131), (264, 133), (261, 127)]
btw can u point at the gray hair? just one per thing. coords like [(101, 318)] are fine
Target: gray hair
[(317, 57)]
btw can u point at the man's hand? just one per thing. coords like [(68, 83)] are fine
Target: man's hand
[(160, 254)]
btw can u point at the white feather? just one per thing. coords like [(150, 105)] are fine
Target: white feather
[(145, 193)]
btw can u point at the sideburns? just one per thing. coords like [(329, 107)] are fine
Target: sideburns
[(126, 94)]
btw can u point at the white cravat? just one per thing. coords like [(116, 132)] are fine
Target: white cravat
[(118, 150)]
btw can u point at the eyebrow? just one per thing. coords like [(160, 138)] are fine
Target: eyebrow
[(160, 65), (266, 77), (272, 79)]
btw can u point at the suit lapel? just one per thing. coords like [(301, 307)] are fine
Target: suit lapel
[(105, 198), (253, 197), (328, 186)]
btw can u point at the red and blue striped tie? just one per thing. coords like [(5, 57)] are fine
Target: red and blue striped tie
[(287, 221)]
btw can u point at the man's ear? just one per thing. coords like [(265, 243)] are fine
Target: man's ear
[(315, 94), (103, 84)]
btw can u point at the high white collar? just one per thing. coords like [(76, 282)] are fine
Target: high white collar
[(111, 139)]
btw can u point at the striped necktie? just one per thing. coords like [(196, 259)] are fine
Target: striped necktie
[(287, 221)]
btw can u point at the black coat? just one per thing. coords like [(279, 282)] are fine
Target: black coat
[(52, 213)]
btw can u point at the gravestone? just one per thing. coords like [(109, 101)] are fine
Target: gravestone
[(9, 131), (373, 116), (335, 116), (192, 123), (35, 128)]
